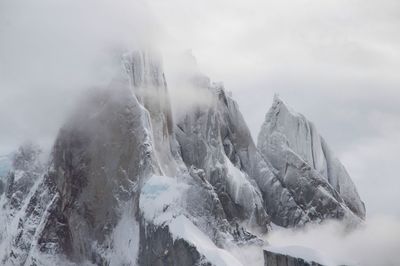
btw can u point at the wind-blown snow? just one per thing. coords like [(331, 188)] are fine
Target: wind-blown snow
[(125, 240), (238, 183), (182, 227)]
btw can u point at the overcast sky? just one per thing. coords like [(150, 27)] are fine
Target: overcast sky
[(335, 61)]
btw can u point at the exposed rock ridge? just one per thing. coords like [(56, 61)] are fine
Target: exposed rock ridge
[(127, 185), (287, 139)]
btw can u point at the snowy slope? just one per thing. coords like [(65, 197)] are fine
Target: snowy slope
[(161, 203)]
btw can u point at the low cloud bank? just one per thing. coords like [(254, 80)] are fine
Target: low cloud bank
[(376, 242)]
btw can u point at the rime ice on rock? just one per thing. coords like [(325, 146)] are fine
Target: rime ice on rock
[(293, 146)]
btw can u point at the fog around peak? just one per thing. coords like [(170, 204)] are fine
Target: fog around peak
[(53, 50), (336, 62)]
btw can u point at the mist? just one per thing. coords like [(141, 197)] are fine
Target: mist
[(332, 243), (376, 242), (51, 51), (337, 63)]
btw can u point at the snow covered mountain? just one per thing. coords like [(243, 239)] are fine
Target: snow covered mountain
[(293, 146), (125, 184)]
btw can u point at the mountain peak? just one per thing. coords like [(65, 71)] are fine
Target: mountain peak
[(277, 98), (289, 140), (126, 184)]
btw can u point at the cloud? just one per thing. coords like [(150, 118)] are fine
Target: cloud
[(52, 50), (188, 86), (374, 243), (373, 161), (335, 61)]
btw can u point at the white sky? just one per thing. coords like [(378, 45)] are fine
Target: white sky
[(336, 61)]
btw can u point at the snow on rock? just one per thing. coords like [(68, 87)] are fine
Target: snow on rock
[(216, 139), (182, 227), (125, 185), (100, 157), (125, 239), (161, 204), (160, 198), (26, 168), (240, 188), (147, 81), (306, 165)]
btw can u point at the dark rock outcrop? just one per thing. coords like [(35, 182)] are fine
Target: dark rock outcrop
[(160, 249), (276, 259)]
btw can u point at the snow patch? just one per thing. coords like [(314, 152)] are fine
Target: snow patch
[(237, 180), (160, 203), (240, 187), (182, 227), (160, 198), (126, 241)]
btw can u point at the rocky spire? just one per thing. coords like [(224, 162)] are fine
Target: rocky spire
[(147, 80), (288, 140)]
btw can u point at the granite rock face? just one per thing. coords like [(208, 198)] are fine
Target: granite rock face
[(216, 138), (213, 140), (85, 206), (306, 166), (125, 184), (159, 249)]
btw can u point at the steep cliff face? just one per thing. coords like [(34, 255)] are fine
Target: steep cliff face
[(26, 167), (207, 138), (306, 165), (147, 80), (105, 197), (25, 172), (127, 185), (98, 160), (215, 137)]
